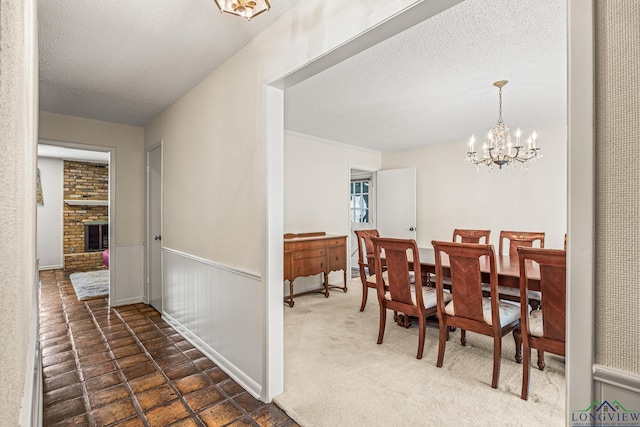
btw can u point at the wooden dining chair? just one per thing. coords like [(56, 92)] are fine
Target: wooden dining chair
[(516, 239), (398, 293), (513, 240), (468, 309), (471, 236), (545, 328), (366, 262)]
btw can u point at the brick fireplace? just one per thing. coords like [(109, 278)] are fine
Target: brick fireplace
[(86, 215)]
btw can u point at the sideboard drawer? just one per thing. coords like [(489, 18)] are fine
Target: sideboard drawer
[(309, 253), (309, 266), (337, 259), (337, 241)]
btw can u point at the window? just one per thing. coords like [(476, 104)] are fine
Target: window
[(360, 201)]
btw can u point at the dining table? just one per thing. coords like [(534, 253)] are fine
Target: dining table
[(508, 268)]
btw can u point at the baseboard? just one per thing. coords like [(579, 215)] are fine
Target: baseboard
[(127, 301), (50, 267), (31, 411), (229, 368)]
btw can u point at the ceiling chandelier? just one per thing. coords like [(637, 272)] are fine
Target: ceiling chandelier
[(498, 149), (244, 8)]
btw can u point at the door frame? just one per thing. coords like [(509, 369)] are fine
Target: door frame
[(147, 294), (373, 200), (113, 265), (580, 206)]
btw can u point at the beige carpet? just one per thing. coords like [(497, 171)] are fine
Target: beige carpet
[(336, 374)]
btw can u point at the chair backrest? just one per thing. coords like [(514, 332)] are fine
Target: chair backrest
[(365, 247), (398, 253), (466, 279), (520, 238), (471, 236), (553, 287)]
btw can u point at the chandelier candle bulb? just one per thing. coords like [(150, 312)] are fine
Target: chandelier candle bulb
[(472, 143)]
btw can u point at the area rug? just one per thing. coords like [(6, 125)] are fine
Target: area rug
[(336, 374), (90, 284)]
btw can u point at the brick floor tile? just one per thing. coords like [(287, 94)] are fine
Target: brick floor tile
[(103, 381), (192, 383), (108, 395), (98, 369), (231, 387), (247, 402), (94, 359), (59, 368), (131, 422), (147, 382), (61, 394), (129, 361), (181, 371), (67, 409), (243, 422), (220, 414), (93, 349), (194, 354), (174, 359), (204, 363), (127, 350), (55, 349), (139, 370), (186, 422), (121, 342), (113, 412), (205, 397), (156, 396), (166, 414), (77, 421), (62, 380), (270, 416), (217, 375)]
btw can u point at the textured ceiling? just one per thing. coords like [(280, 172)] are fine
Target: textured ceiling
[(125, 61), (433, 82)]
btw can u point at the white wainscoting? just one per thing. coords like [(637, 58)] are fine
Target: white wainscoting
[(31, 412), (613, 384), (128, 265), (220, 310)]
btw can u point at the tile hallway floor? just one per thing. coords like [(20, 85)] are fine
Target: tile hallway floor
[(125, 366)]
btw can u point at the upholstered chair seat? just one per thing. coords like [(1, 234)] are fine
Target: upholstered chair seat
[(511, 292), (372, 279), (509, 312), (535, 324), (429, 296)]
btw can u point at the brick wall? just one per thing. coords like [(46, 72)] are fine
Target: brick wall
[(83, 181)]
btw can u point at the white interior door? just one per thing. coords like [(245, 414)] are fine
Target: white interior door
[(396, 203), (154, 237)]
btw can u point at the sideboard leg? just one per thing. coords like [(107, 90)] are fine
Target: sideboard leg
[(345, 281)]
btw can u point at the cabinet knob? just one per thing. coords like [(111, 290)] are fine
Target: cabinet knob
[(299, 255), (322, 264), (321, 252), (299, 269), (337, 258)]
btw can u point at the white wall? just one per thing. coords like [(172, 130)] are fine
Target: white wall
[(451, 194), (18, 139), (316, 189), (215, 149), (49, 216)]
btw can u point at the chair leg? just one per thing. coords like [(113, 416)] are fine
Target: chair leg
[(365, 292), (517, 337), (383, 322), (541, 363), (442, 342), (497, 352), (463, 337), (526, 372), (421, 334)]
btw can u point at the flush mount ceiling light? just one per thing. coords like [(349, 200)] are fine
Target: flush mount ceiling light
[(244, 8), (498, 149)]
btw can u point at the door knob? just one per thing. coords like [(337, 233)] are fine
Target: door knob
[(158, 237)]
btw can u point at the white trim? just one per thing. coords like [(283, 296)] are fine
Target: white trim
[(213, 264), (146, 293), (615, 377), (331, 142), (50, 267), (130, 300), (580, 205), (273, 258), (232, 370), (112, 204)]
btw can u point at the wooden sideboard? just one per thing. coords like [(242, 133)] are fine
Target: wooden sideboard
[(308, 254)]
